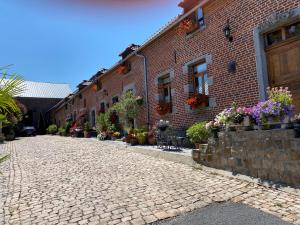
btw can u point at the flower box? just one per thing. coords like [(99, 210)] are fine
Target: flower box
[(187, 26), (198, 101), (163, 108)]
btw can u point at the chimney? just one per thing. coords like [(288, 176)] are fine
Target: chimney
[(187, 5)]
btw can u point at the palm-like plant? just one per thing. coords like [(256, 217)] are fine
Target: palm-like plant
[(10, 88)]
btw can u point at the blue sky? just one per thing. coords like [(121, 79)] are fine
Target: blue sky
[(67, 43)]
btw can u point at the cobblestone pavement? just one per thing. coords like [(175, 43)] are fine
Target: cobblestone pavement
[(56, 180)]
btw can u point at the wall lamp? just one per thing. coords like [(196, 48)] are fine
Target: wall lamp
[(227, 32)]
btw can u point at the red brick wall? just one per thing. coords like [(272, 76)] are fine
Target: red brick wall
[(115, 84), (241, 86)]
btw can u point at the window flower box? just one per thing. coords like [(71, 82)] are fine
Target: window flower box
[(187, 26), (197, 101), (163, 108)]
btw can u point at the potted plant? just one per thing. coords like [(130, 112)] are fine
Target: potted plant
[(162, 125), (297, 126), (52, 129), (283, 97), (115, 136), (142, 137), (86, 130), (198, 135), (197, 101)]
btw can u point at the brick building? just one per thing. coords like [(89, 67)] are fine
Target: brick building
[(233, 51), (38, 98)]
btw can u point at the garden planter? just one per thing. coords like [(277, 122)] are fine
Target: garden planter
[(151, 140), (297, 130), (196, 155), (87, 134)]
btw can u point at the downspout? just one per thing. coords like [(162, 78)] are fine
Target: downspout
[(145, 87)]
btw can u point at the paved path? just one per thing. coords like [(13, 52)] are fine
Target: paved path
[(56, 180), (225, 214)]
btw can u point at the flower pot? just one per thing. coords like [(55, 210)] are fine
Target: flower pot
[(297, 130), (87, 134), (151, 140), (113, 138), (215, 132), (196, 155)]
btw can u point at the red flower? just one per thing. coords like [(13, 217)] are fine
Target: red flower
[(197, 101), (163, 108)]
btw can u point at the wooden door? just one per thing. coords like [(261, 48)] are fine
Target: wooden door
[(284, 67)]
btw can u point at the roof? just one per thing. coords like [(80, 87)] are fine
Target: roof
[(34, 89)]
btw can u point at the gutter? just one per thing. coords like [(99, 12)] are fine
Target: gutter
[(145, 86)]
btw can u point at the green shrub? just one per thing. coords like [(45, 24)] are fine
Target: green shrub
[(101, 124), (62, 131), (142, 137), (52, 129), (198, 134)]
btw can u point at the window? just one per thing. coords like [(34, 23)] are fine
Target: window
[(115, 99), (66, 106), (165, 89), (282, 34), (84, 103), (293, 30), (200, 80), (197, 19)]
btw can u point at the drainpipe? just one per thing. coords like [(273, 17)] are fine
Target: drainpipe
[(146, 87)]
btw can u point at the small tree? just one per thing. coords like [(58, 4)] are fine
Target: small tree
[(101, 124), (128, 108)]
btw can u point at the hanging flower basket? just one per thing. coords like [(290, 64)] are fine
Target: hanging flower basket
[(164, 108), (198, 101), (186, 26)]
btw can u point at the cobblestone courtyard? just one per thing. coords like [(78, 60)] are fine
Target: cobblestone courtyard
[(56, 180)]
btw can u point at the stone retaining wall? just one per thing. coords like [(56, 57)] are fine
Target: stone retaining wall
[(269, 155)]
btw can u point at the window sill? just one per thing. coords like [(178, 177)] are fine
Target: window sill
[(192, 34)]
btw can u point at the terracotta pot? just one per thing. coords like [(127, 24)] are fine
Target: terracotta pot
[(196, 154), (151, 140), (87, 134)]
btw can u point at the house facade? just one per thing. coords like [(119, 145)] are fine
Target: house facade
[(229, 50)]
